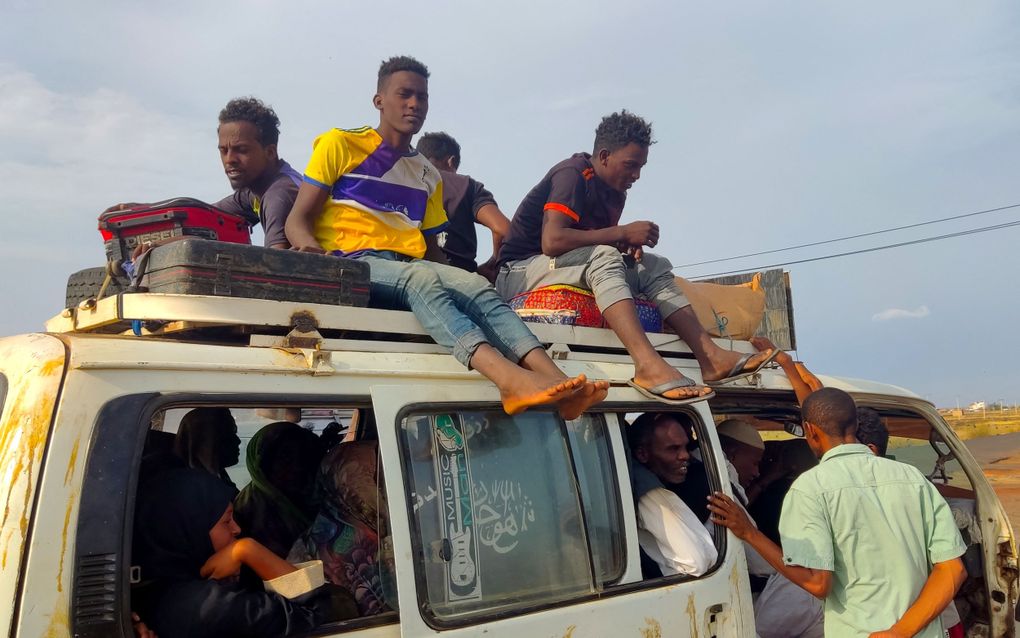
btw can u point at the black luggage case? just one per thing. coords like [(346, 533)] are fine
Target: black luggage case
[(203, 267)]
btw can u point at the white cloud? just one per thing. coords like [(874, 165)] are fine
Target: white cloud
[(900, 313), (68, 154)]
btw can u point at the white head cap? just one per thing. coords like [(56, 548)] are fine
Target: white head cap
[(741, 431)]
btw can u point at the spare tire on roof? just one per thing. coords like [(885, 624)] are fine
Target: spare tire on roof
[(86, 284)]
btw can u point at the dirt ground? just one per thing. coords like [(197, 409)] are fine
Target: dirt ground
[(999, 457)]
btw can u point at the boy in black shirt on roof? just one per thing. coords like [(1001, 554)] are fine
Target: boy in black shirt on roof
[(467, 202), (567, 232)]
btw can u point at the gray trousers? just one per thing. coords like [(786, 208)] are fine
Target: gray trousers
[(600, 269)]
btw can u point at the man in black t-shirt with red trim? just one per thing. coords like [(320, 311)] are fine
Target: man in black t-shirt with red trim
[(567, 232)]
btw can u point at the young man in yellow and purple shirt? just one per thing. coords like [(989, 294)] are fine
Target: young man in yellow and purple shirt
[(368, 195)]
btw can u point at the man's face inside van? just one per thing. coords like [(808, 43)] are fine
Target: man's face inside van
[(229, 445), (746, 460), (665, 453)]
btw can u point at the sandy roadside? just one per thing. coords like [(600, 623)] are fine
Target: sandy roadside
[(999, 457)]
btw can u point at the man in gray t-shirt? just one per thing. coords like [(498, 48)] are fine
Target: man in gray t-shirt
[(264, 185)]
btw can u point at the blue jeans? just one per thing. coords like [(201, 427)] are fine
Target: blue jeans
[(459, 310)]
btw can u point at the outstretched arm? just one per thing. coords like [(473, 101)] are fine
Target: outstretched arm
[(300, 227), (490, 216), (810, 379), (246, 551), (493, 218), (800, 385), (729, 514), (943, 581)]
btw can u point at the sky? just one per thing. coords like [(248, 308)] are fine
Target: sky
[(777, 123)]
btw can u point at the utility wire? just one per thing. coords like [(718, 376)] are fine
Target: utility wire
[(832, 241), (923, 240)]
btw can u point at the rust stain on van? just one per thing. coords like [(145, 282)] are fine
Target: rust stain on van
[(735, 585), (51, 366), (71, 463), (22, 440), (287, 358), (63, 540), (652, 629), (60, 624), (692, 614), (3, 557)]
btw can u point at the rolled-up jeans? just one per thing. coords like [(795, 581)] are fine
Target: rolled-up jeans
[(600, 269), (459, 310)]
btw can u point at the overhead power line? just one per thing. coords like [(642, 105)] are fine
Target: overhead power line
[(912, 242), (848, 237)]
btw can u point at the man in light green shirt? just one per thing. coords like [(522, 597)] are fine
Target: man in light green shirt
[(870, 536)]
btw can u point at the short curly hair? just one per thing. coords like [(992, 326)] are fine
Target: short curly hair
[(254, 110), (400, 63), (439, 146), (831, 410), (871, 430), (620, 129)]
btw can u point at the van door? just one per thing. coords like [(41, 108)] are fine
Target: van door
[(492, 525)]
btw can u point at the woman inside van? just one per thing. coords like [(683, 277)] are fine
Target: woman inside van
[(191, 557), (207, 440), (345, 534), (278, 505)]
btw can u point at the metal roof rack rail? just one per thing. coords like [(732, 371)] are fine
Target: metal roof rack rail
[(266, 323)]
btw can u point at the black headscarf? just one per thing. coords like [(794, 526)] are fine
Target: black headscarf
[(207, 440), (176, 511), (271, 512)]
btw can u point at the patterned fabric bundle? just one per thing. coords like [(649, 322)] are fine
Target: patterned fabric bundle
[(570, 306)]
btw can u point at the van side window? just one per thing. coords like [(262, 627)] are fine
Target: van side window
[(589, 445), (332, 511), (498, 510), (671, 505)]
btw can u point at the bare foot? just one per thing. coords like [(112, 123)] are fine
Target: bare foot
[(651, 377), (723, 361), (531, 389), (591, 393)]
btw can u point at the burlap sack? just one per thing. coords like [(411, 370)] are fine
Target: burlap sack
[(734, 312)]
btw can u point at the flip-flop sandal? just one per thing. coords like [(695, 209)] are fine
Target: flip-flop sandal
[(735, 372), (658, 391)]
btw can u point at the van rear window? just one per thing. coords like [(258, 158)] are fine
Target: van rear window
[(505, 509)]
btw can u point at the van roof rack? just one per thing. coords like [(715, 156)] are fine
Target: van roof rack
[(259, 322)]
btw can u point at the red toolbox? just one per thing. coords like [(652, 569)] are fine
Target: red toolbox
[(123, 230)]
